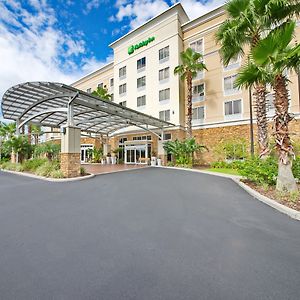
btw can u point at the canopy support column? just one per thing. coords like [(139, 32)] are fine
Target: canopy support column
[(15, 156), (70, 146), (161, 153)]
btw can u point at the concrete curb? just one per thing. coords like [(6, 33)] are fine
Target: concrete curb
[(292, 213), (49, 179)]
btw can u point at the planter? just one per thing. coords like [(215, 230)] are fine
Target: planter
[(108, 160), (153, 161), (103, 161), (113, 160), (159, 162)]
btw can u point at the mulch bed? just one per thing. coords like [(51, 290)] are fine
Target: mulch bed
[(270, 192)]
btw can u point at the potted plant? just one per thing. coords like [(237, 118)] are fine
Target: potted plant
[(108, 158), (153, 158)]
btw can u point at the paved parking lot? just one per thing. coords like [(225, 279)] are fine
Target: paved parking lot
[(143, 234)]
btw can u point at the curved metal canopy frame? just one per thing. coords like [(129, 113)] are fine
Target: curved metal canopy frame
[(53, 104)]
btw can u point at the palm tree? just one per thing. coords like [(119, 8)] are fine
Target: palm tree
[(102, 93), (271, 58), (36, 131), (192, 63), (247, 22)]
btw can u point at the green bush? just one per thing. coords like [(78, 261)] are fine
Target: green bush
[(82, 171), (47, 168), (232, 149), (32, 164), (183, 151), (296, 167), (56, 174), (234, 165), (260, 171), (10, 166)]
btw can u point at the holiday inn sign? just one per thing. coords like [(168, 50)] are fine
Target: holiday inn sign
[(132, 48)]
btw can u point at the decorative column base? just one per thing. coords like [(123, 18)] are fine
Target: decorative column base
[(70, 164)]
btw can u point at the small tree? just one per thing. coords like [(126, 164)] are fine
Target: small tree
[(102, 93), (192, 63)]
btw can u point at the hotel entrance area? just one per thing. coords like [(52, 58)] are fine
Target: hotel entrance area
[(137, 152)]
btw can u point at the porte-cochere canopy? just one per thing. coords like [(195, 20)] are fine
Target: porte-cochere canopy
[(55, 104)]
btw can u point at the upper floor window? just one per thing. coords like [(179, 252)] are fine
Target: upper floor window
[(122, 72), (164, 74), (141, 63), (198, 113), (112, 97), (89, 90), (234, 63), (229, 85), (141, 101), (197, 46), (122, 88), (164, 94), (164, 53), (142, 138), (100, 85), (141, 82), (233, 109), (164, 115), (111, 82), (198, 92), (123, 103)]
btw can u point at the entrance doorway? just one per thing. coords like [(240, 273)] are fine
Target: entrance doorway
[(85, 152), (137, 152)]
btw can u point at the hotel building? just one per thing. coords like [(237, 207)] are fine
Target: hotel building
[(141, 77)]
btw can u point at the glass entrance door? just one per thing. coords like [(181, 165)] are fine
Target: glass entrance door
[(136, 154)]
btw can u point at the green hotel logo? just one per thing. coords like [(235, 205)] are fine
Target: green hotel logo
[(132, 48)]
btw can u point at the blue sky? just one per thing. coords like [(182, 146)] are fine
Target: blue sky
[(62, 40)]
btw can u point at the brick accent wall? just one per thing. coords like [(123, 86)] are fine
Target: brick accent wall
[(70, 164)]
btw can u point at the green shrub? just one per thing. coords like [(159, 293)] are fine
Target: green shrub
[(82, 171), (296, 167), (10, 166), (232, 149), (32, 164), (234, 165), (260, 171), (47, 168), (56, 174)]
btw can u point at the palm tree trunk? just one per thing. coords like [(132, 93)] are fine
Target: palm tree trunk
[(189, 106), (285, 180), (262, 121)]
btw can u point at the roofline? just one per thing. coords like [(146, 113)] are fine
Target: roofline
[(204, 18), (92, 73), (150, 20)]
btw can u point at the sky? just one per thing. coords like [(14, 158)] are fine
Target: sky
[(63, 40)]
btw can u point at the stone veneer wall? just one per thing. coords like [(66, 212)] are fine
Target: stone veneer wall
[(214, 137), (70, 164)]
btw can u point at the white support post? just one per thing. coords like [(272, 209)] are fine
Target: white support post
[(17, 135)]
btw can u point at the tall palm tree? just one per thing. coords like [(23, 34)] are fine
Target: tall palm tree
[(102, 93), (273, 56), (192, 63), (247, 22)]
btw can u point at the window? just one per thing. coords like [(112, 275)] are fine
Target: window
[(197, 46), (167, 136), (112, 97), (229, 88), (164, 115), (142, 138), (89, 90), (141, 101), (233, 108), (111, 82), (122, 72), (198, 113), (164, 95), (122, 88), (100, 85), (164, 74), (164, 54), (141, 82), (141, 63), (198, 92), (123, 103), (233, 64)]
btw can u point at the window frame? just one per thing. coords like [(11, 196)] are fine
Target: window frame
[(139, 98), (160, 92), (233, 116), (232, 91), (123, 92), (164, 58), (124, 74)]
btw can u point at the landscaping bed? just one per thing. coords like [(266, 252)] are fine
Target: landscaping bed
[(291, 201)]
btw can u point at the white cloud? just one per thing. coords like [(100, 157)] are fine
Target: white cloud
[(139, 11), (90, 5), (33, 49)]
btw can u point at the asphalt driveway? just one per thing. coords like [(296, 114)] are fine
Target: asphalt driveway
[(143, 234)]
